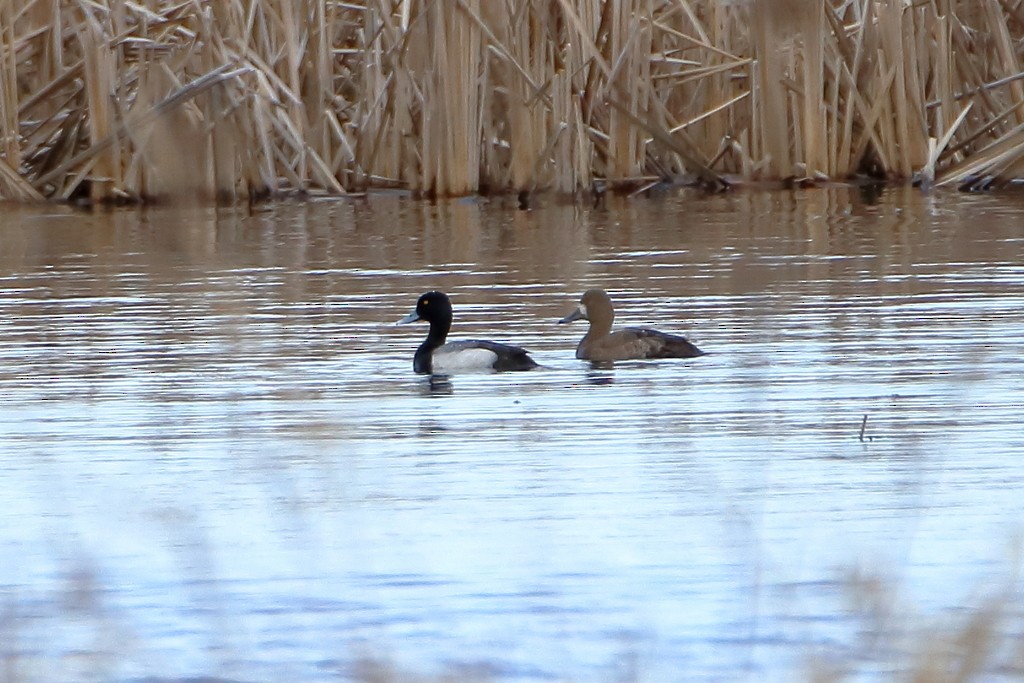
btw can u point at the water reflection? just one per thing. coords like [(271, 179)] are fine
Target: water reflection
[(600, 373), (871, 193), (210, 416), (437, 385)]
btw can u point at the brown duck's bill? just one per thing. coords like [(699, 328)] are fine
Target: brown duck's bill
[(575, 315)]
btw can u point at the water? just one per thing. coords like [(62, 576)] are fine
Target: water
[(216, 460)]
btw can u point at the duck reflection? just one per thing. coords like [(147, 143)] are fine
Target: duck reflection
[(436, 385), (601, 373)]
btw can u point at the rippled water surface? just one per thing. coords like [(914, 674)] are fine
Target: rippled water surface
[(216, 460)]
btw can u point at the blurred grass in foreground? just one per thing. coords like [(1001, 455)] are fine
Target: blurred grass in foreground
[(983, 641)]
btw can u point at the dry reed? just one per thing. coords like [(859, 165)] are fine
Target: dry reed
[(237, 99)]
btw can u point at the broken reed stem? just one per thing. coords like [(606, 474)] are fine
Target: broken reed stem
[(238, 99)]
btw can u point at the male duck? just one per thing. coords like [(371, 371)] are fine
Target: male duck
[(434, 356), (601, 344)]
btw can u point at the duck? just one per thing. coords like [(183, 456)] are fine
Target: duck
[(437, 357), (600, 344)]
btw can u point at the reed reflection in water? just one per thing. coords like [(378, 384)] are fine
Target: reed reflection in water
[(217, 460)]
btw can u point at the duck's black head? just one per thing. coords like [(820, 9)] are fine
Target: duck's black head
[(432, 307), (436, 309)]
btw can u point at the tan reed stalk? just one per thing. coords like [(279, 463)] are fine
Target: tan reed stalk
[(530, 134), (937, 149), (292, 49), (436, 124), (1007, 61), (266, 158), (830, 102), (319, 92), (1005, 52), (579, 53), (851, 51), (812, 27), (99, 74), (944, 58), (584, 68), (12, 185), (773, 114), (794, 96), (404, 95), (366, 111), (439, 58), (618, 52), (9, 89), (219, 106), (898, 136)]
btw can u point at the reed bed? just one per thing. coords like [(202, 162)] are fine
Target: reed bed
[(239, 99)]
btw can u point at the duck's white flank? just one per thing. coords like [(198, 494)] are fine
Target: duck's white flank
[(462, 357)]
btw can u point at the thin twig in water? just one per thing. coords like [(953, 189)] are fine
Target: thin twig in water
[(863, 426)]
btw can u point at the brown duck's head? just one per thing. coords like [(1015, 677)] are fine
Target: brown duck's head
[(594, 306)]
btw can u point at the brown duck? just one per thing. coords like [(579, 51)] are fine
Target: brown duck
[(601, 344)]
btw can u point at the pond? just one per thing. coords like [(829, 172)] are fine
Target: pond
[(217, 461)]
